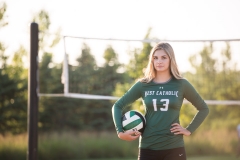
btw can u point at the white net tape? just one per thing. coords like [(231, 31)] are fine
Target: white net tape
[(101, 97)]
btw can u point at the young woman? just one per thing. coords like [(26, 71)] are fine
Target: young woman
[(162, 90)]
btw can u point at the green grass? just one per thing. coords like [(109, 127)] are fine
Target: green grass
[(214, 158), (106, 145), (189, 158)]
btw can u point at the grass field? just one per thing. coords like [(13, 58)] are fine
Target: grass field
[(190, 158), (105, 145), (213, 158)]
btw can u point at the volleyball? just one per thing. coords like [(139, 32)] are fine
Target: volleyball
[(133, 120)]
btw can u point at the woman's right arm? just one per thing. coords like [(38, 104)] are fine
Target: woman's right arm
[(129, 97)]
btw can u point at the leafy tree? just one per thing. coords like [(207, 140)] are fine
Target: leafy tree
[(205, 72), (215, 79), (227, 84), (46, 40), (228, 77), (3, 8), (139, 59), (211, 73)]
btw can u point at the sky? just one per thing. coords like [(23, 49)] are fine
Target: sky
[(128, 19)]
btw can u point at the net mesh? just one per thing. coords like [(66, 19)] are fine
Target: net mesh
[(210, 66)]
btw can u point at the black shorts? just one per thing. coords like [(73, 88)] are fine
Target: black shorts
[(169, 154)]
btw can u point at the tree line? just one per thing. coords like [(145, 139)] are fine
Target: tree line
[(59, 113)]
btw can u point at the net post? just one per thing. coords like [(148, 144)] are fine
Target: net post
[(65, 76), (33, 95)]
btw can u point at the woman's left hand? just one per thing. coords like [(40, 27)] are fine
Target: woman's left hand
[(178, 129)]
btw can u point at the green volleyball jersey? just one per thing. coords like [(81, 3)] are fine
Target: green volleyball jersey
[(162, 102)]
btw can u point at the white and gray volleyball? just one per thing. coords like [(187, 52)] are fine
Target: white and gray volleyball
[(133, 120)]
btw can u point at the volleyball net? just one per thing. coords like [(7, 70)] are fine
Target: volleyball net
[(90, 65)]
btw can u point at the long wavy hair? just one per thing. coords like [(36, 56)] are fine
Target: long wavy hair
[(150, 72)]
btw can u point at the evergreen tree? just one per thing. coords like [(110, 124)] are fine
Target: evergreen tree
[(50, 75), (109, 74), (8, 89), (11, 89), (18, 71), (87, 78), (82, 76), (13, 92), (106, 80)]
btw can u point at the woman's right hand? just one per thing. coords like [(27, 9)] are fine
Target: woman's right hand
[(129, 135)]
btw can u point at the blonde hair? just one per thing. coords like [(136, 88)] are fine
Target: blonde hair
[(150, 72)]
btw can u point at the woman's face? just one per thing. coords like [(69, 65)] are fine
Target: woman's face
[(161, 61)]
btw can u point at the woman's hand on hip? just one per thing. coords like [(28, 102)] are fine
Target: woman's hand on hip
[(178, 129)]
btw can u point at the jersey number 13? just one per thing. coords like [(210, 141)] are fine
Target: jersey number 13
[(164, 104)]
